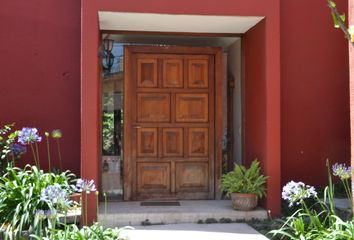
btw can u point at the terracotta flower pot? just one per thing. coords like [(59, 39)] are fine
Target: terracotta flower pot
[(75, 197), (244, 201)]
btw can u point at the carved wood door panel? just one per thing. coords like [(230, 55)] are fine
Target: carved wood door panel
[(170, 127)]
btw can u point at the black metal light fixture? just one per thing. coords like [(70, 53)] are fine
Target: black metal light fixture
[(107, 55)]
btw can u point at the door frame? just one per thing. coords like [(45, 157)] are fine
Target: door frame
[(218, 59)]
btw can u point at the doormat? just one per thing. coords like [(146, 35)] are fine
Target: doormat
[(160, 204)]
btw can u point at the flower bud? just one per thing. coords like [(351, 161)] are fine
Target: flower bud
[(56, 133)]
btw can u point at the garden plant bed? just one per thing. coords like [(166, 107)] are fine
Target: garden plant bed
[(37, 203)]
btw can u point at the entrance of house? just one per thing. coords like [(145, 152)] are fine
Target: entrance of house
[(161, 116), (169, 117)]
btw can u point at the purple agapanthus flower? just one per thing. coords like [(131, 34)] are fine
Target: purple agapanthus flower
[(85, 186), (341, 171), (18, 149), (295, 192), (28, 135), (54, 195), (40, 214), (51, 213)]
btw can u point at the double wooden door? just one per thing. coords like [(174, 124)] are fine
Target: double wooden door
[(169, 124)]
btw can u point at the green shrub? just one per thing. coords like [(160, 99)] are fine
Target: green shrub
[(243, 180), (20, 191), (321, 220), (94, 232)]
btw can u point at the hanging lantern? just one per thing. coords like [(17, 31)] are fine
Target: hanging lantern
[(108, 57)]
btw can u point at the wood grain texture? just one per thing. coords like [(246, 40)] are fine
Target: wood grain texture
[(127, 130), (153, 107), (170, 104), (172, 73), (192, 177), (218, 121), (153, 177), (147, 142), (198, 73), (192, 107), (172, 142), (147, 72), (198, 142)]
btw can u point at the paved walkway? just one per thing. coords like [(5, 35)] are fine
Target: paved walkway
[(231, 231)]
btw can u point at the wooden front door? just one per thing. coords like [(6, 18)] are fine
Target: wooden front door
[(170, 131)]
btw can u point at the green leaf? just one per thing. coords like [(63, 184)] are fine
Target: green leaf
[(331, 3), (20, 191), (243, 180), (342, 17), (335, 20)]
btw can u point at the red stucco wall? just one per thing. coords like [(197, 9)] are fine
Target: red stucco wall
[(254, 94), (40, 69), (315, 91)]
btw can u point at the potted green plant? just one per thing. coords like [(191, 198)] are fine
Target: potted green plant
[(245, 186)]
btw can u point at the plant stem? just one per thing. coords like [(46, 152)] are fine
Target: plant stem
[(40, 229), (347, 191), (85, 209), (13, 159), (75, 218), (322, 204), (341, 23), (66, 212), (53, 227), (97, 208), (34, 155), (105, 203), (39, 164), (330, 188), (59, 154), (48, 151), (311, 216)]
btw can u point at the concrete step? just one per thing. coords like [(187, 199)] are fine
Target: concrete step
[(132, 214), (342, 203)]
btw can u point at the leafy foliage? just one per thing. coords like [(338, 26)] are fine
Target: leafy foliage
[(339, 21), (317, 221), (243, 180), (32, 201), (20, 191), (108, 133), (6, 139), (94, 232), (336, 18), (315, 225)]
